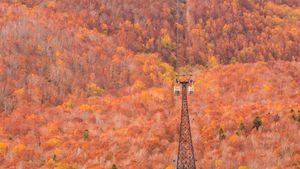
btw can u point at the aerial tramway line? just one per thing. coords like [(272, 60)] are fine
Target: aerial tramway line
[(184, 85)]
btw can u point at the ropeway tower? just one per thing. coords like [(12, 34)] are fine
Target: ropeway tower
[(186, 159)]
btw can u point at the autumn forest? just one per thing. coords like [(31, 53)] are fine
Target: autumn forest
[(88, 84)]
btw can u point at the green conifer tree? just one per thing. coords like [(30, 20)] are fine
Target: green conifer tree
[(257, 122), (221, 134), (114, 166), (85, 134)]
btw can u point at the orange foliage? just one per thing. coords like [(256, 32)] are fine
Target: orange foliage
[(108, 68)]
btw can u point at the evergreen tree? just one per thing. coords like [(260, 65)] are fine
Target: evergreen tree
[(240, 129), (242, 126), (114, 166), (85, 134), (221, 134), (257, 122), (54, 158)]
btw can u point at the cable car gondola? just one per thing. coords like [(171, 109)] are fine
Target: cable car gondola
[(177, 88), (191, 88)]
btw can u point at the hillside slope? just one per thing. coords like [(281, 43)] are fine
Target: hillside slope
[(141, 130), (57, 49), (88, 83)]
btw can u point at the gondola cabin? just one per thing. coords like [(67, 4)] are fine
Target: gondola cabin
[(191, 89), (176, 90)]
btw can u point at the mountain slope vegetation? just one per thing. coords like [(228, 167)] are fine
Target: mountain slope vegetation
[(88, 84), (141, 129)]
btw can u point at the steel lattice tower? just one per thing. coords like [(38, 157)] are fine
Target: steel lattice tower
[(186, 159)]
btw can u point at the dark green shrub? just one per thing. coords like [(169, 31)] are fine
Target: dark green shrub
[(257, 123), (296, 117), (114, 166), (221, 134), (240, 129), (242, 126), (85, 134), (54, 158)]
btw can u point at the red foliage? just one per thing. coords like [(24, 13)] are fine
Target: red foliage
[(107, 67)]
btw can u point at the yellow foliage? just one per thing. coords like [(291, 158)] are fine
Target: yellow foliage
[(166, 10), (170, 167), (102, 8), (121, 131), (166, 39), (53, 141), (116, 60), (149, 43), (1, 130), (225, 28), (159, 95), (279, 9), (146, 68), (3, 147), (239, 120), (94, 90), (167, 42), (18, 148), (58, 151), (233, 138), (127, 24), (210, 47), (107, 99), (267, 88), (121, 50), (243, 167), (275, 20), (278, 107), (138, 84), (153, 77), (85, 107), (59, 62), (67, 104), (137, 27), (19, 92), (168, 74), (233, 60), (145, 97), (62, 165), (40, 49), (50, 161), (212, 62), (222, 125), (57, 53), (218, 163), (163, 31), (294, 84), (104, 28), (32, 117), (264, 120), (196, 32), (74, 166), (49, 39), (52, 127), (51, 4)]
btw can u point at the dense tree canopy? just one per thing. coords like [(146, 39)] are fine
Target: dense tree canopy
[(88, 83)]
